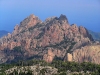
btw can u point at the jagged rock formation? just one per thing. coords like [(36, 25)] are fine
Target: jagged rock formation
[(44, 40), (87, 54)]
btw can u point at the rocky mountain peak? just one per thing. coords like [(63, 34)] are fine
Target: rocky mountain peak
[(28, 22), (50, 19), (85, 32), (32, 16), (63, 18), (44, 40)]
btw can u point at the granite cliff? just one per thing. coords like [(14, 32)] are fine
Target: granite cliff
[(54, 37)]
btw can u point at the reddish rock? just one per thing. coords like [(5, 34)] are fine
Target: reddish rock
[(53, 37), (49, 56), (87, 54)]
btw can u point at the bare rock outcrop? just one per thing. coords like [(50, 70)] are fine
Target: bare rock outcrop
[(68, 57), (87, 54), (16, 30), (85, 32), (49, 56), (45, 40)]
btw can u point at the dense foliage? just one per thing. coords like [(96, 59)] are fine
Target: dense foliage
[(63, 67)]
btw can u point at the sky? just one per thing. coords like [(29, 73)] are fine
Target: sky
[(80, 12)]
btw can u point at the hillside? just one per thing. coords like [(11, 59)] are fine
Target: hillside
[(57, 67), (3, 33), (54, 38), (96, 35)]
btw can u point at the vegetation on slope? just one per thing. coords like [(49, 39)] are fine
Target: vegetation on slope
[(64, 68)]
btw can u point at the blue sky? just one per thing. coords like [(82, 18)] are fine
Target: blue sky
[(80, 12)]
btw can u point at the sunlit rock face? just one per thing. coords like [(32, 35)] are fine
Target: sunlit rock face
[(45, 40), (87, 54)]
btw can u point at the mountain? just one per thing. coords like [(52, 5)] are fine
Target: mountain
[(3, 33), (96, 35), (52, 39)]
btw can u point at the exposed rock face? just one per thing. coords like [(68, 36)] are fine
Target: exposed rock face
[(63, 18), (85, 32), (45, 40), (49, 57), (87, 54), (68, 57), (15, 30)]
